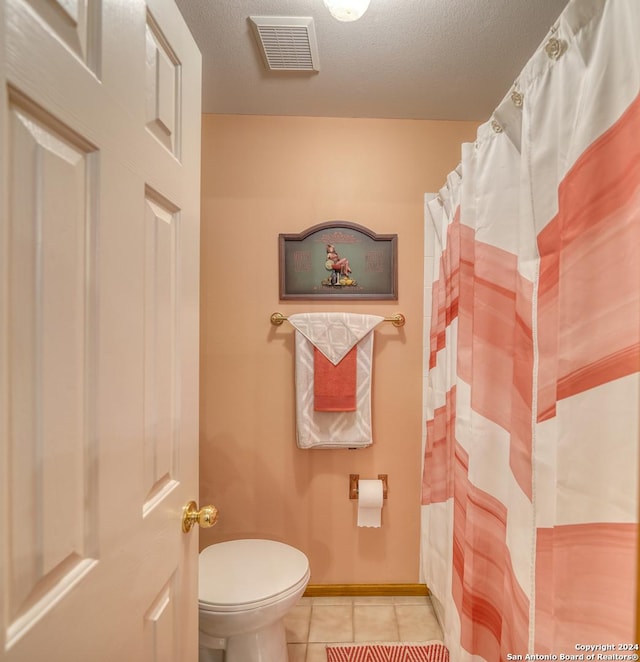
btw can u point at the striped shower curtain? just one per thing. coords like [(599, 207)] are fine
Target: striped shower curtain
[(532, 387)]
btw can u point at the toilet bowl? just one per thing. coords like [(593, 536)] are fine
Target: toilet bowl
[(245, 589)]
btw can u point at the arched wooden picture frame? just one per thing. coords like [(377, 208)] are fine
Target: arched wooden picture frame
[(338, 260)]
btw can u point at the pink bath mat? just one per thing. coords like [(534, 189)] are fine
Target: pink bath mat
[(431, 651)]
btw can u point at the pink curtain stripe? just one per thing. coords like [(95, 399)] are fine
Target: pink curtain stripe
[(493, 607), (480, 284), (590, 269), (464, 362), (437, 485), (444, 306), (580, 568)]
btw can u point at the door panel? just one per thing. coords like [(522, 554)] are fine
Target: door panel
[(161, 405), (76, 23), (99, 248), (163, 88), (49, 299), (161, 624)]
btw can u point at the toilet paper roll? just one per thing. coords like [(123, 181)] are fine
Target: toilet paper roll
[(370, 500)]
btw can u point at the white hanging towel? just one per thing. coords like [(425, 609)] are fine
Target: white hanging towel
[(333, 334)]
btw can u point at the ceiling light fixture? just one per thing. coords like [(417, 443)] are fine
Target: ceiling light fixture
[(347, 10)]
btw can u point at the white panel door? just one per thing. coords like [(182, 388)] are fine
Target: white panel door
[(99, 267)]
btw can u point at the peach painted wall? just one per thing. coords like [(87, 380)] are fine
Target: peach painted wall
[(266, 175)]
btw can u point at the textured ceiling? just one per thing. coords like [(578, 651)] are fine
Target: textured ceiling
[(420, 59)]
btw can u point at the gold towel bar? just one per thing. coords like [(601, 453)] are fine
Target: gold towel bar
[(397, 320)]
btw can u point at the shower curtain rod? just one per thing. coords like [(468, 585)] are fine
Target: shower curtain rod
[(397, 320)]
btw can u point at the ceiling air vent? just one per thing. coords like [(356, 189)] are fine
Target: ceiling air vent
[(287, 43)]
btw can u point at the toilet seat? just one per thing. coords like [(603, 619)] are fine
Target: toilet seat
[(248, 574)]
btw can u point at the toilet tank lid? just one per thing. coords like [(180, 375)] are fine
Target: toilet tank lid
[(242, 571)]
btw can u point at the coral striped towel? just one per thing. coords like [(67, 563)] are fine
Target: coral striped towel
[(334, 335), (428, 651), (334, 386)]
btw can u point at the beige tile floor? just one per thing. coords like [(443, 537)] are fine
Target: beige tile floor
[(315, 622)]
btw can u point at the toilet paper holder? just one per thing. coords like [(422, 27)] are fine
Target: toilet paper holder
[(353, 485)]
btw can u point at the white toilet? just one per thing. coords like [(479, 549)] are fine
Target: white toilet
[(245, 589)]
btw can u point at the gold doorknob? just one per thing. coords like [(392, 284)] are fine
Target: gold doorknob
[(205, 517)]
